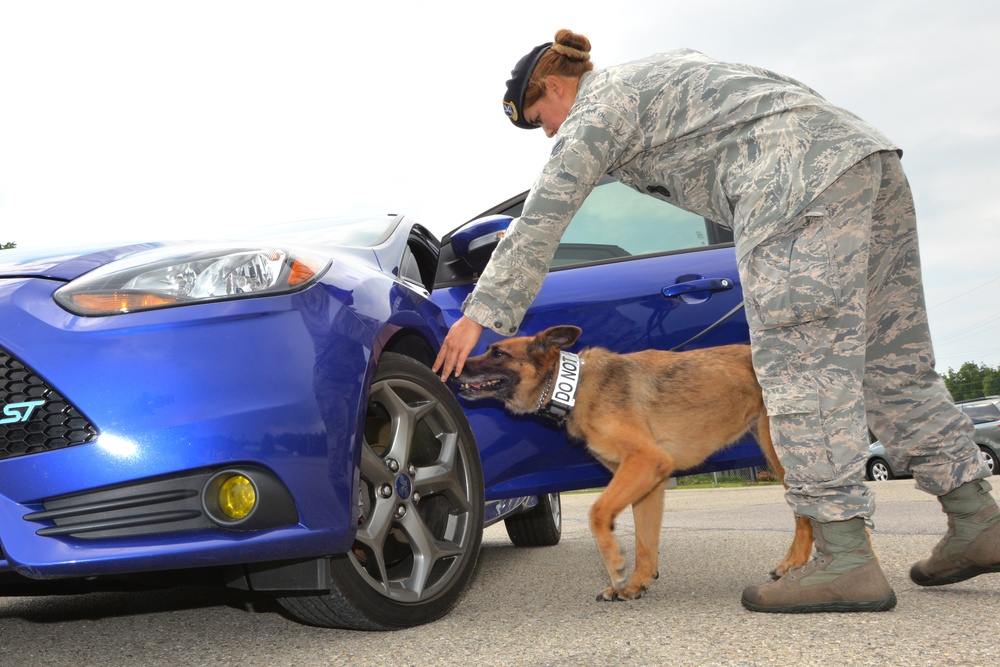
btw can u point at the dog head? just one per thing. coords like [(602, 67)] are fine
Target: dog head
[(516, 370)]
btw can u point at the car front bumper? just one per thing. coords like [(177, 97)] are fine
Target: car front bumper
[(272, 387)]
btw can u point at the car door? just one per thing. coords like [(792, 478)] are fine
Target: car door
[(633, 272)]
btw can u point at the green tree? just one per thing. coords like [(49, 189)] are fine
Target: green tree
[(991, 385), (972, 381), (8, 246)]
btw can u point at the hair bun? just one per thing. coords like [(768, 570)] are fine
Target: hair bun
[(573, 46)]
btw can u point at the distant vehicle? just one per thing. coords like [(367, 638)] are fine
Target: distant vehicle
[(984, 409), (985, 414)]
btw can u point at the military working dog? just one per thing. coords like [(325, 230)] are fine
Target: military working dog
[(644, 415)]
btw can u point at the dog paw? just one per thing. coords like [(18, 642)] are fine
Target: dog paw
[(612, 594)]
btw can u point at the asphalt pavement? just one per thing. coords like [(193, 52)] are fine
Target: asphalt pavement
[(536, 607)]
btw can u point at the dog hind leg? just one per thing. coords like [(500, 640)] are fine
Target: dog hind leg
[(800, 549), (802, 544)]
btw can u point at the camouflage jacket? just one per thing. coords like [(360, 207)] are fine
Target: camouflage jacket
[(738, 144)]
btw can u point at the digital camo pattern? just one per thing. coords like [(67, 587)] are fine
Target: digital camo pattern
[(740, 145), (827, 250), (841, 343)]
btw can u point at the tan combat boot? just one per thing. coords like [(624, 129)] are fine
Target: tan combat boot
[(972, 544), (844, 575)]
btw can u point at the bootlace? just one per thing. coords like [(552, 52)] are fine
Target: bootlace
[(939, 548), (814, 564)]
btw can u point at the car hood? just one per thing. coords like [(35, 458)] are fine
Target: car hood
[(65, 263), (68, 263)]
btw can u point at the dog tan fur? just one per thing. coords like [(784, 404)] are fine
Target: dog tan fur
[(644, 415)]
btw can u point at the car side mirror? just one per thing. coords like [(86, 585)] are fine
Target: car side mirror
[(474, 243)]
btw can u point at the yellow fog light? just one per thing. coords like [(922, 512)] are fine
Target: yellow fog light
[(237, 497)]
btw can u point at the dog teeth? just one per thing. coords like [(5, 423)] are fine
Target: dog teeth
[(486, 384)]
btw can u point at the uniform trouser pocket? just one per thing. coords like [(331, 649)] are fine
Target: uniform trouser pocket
[(794, 409), (819, 444), (792, 279)]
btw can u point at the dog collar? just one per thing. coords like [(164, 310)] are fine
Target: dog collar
[(563, 384)]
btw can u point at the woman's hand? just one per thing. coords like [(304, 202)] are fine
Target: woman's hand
[(461, 338)]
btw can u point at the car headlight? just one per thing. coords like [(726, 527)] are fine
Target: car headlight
[(174, 276)]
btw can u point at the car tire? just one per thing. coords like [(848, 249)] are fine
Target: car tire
[(879, 471), (420, 509), (990, 459), (541, 526)]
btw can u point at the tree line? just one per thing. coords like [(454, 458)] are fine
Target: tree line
[(972, 381), (8, 246)]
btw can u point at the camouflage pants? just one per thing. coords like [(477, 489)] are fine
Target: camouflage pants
[(840, 343)]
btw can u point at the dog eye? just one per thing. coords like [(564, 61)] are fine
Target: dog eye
[(496, 353)]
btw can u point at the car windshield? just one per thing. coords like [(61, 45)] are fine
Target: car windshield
[(330, 231), (985, 412)]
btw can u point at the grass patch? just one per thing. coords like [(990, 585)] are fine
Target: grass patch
[(710, 481)]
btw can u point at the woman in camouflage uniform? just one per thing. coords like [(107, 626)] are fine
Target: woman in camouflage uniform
[(826, 246)]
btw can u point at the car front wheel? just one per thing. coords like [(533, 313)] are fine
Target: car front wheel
[(989, 458), (879, 471), (420, 509)]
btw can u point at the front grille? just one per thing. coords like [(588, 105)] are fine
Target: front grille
[(166, 505), (34, 417), (142, 508)]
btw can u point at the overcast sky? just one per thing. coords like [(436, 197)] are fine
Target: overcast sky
[(135, 119)]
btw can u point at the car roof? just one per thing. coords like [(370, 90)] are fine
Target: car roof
[(981, 399)]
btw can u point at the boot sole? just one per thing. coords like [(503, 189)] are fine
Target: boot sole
[(840, 606), (961, 575)]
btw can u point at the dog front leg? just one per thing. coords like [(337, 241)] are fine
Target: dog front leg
[(640, 475)]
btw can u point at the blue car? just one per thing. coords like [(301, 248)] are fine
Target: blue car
[(260, 412)]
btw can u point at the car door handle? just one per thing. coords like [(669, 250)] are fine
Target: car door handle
[(702, 285)]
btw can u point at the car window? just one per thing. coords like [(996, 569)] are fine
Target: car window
[(409, 269), (616, 221)]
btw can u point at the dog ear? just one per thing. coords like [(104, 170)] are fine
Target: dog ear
[(557, 337)]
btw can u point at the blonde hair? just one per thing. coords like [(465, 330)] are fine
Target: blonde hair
[(569, 57)]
